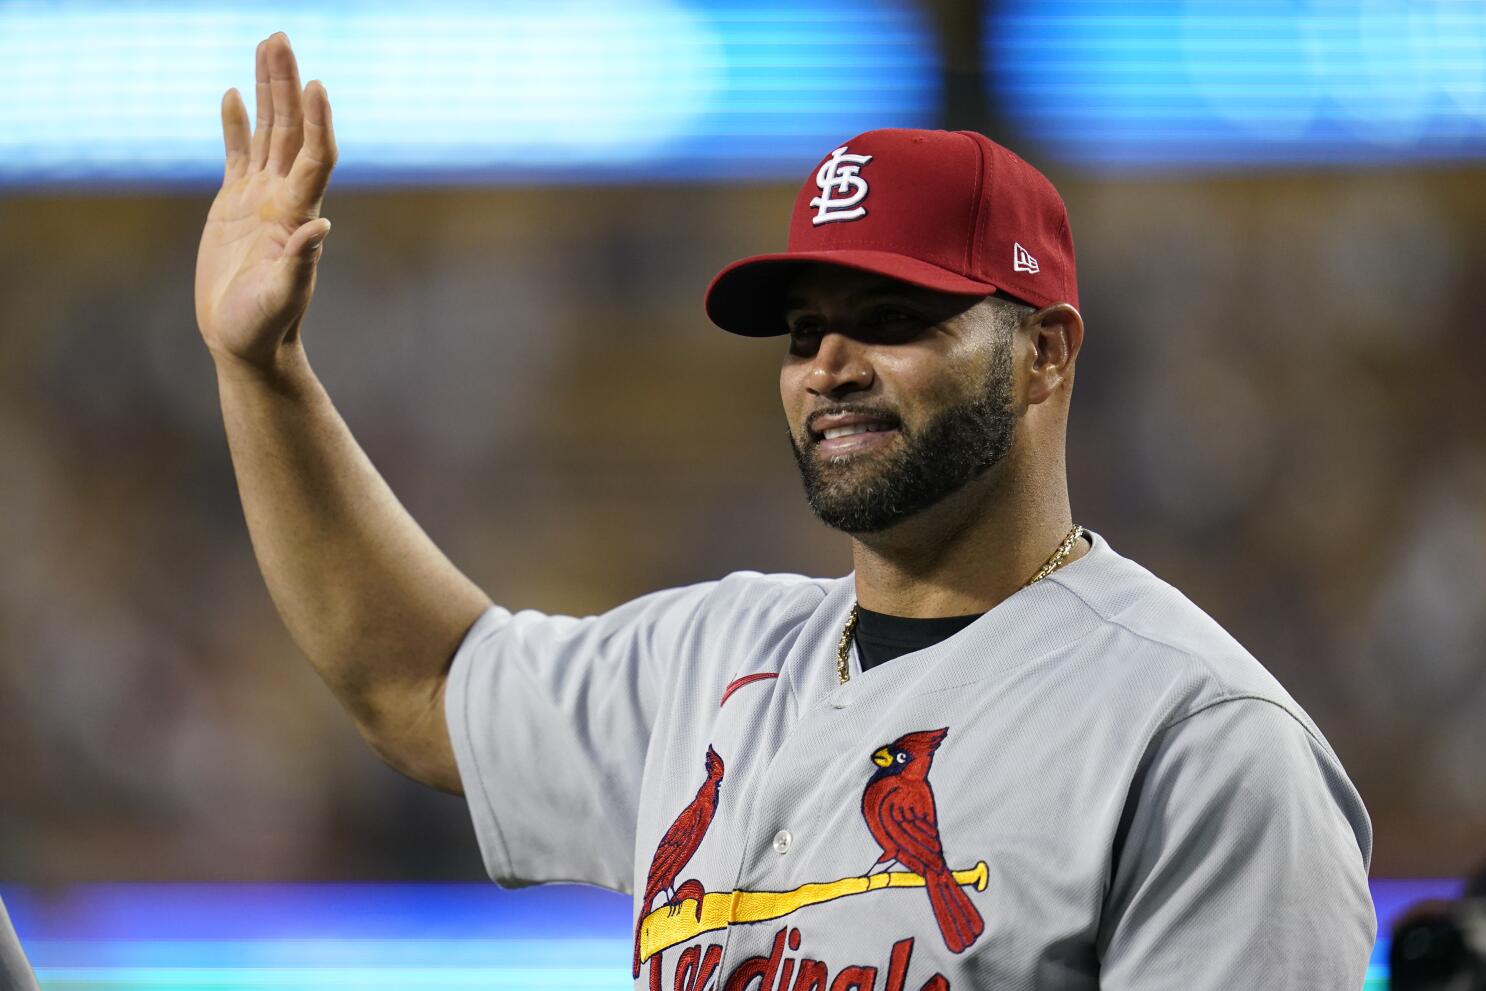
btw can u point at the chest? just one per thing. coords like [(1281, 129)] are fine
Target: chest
[(879, 835)]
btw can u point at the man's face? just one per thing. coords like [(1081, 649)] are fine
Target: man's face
[(896, 396)]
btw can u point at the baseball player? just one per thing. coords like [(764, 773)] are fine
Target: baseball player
[(997, 755), (15, 972)]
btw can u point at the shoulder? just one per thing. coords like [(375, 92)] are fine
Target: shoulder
[(1149, 635), (774, 589), (1214, 719), (748, 603)]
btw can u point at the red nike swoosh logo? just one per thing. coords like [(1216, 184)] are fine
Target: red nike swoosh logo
[(747, 679)]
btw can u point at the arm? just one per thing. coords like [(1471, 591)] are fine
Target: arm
[(1241, 862), (374, 605)]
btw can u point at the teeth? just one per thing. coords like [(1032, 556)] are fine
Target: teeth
[(856, 428)]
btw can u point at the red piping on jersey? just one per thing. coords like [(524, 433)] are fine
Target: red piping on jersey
[(747, 679)]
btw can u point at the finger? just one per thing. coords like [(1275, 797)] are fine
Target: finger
[(235, 133), (312, 166), (303, 251), (263, 129), (283, 82), (308, 237)]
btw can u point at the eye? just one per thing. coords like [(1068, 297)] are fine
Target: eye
[(804, 334), (892, 323), (803, 325), (902, 757)]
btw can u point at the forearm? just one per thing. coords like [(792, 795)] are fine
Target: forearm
[(373, 603)]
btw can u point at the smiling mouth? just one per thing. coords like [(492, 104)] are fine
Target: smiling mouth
[(845, 431), (860, 438), (841, 421), (854, 429)]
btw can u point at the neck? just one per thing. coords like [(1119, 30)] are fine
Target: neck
[(971, 551)]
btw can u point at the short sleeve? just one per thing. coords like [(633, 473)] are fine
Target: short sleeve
[(550, 719), (1241, 862), (15, 973)]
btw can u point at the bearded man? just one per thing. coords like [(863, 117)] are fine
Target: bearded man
[(1095, 785)]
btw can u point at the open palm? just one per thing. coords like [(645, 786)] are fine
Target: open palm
[(255, 270)]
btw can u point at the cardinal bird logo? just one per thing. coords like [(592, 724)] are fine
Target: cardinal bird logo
[(678, 846), (899, 808)]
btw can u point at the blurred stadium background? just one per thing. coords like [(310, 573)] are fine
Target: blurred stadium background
[(1280, 215)]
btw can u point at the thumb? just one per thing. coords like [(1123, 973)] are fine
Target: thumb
[(302, 253), (304, 244)]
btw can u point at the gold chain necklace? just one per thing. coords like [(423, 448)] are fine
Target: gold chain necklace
[(843, 649)]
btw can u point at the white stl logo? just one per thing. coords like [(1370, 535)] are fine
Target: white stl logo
[(841, 188), (1021, 261)]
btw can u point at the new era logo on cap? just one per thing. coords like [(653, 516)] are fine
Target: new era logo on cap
[(943, 206), (1021, 261)]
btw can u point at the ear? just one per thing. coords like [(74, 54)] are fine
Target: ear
[(1056, 333)]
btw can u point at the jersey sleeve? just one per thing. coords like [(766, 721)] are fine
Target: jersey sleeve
[(15, 973), (550, 719), (1241, 862)]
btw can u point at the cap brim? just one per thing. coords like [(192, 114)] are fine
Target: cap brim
[(748, 296)]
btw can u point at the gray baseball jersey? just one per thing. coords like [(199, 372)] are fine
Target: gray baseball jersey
[(15, 973), (1091, 786)]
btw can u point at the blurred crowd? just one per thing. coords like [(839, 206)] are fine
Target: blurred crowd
[(1278, 409)]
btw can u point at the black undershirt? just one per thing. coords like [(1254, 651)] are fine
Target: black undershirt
[(881, 637)]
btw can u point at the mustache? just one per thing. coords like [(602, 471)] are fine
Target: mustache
[(882, 414)]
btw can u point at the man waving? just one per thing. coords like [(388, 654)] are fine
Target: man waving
[(1122, 797)]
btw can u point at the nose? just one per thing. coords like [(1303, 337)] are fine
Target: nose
[(839, 366)]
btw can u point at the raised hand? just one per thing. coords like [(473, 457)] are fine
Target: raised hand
[(255, 270)]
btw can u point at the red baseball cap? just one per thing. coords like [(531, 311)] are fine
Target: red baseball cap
[(946, 210)]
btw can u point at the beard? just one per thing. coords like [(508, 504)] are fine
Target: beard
[(956, 446)]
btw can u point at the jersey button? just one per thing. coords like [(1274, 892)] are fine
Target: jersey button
[(782, 840)]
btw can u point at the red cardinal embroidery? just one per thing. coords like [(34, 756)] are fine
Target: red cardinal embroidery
[(899, 808), (677, 847)]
